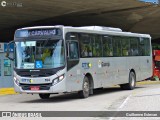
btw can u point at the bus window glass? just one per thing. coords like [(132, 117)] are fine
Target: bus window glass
[(86, 46), (40, 54), (141, 47), (107, 46), (71, 36), (73, 50), (125, 46), (134, 47), (97, 49), (144, 47), (147, 47), (116, 46)]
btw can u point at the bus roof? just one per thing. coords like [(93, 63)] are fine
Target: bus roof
[(93, 29)]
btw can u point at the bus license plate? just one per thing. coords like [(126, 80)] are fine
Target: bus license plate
[(35, 87)]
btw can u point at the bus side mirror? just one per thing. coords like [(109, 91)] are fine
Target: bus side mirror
[(8, 51)]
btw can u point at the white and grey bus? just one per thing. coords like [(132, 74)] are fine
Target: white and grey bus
[(63, 59)]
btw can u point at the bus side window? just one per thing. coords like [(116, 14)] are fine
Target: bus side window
[(147, 47), (107, 46), (144, 47), (72, 45), (86, 45), (117, 51), (134, 46), (125, 46), (97, 49), (73, 50)]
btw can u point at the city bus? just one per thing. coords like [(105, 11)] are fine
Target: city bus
[(64, 59)]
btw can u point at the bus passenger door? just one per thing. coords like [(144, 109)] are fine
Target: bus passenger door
[(72, 65)]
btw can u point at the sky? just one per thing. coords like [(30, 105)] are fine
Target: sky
[(152, 1)]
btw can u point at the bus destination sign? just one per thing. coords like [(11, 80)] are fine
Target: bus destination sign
[(42, 32), (38, 32)]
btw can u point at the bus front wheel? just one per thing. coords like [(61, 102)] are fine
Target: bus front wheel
[(44, 96), (131, 84), (84, 93)]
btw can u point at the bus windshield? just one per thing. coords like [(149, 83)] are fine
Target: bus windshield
[(42, 54)]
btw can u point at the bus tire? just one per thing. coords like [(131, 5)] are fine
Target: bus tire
[(84, 93), (132, 82), (44, 96)]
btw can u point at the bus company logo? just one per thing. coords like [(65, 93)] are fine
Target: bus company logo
[(31, 81), (27, 80), (86, 65)]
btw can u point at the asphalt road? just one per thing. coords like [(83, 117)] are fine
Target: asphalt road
[(142, 98)]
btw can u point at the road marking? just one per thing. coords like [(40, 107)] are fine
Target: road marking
[(121, 106), (125, 101)]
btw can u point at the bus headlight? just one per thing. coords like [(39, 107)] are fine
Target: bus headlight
[(16, 80), (58, 79)]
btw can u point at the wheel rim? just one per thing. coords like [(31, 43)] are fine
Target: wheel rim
[(86, 86), (132, 81)]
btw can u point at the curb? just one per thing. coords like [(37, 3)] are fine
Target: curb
[(148, 82), (7, 91)]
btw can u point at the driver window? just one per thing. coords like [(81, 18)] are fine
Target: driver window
[(73, 50)]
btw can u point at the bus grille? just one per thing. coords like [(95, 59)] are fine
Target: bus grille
[(26, 74), (42, 86)]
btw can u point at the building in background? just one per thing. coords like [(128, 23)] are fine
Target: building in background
[(6, 67)]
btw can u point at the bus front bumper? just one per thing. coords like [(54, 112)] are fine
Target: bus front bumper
[(57, 88)]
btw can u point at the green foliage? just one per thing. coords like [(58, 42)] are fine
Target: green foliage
[(155, 46)]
